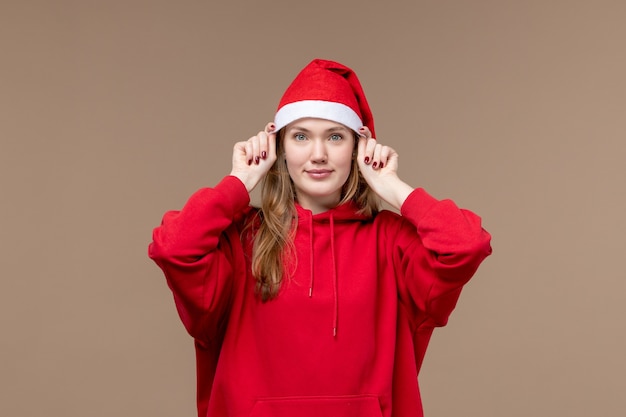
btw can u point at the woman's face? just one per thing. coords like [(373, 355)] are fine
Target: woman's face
[(319, 158)]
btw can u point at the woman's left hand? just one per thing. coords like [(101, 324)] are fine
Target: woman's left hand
[(378, 164)]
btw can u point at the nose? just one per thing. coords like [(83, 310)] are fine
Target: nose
[(318, 152)]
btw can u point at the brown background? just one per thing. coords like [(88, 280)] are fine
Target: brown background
[(112, 112)]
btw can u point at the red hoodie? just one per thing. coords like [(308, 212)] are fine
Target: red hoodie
[(348, 331)]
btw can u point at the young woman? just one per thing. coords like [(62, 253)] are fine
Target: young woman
[(317, 303)]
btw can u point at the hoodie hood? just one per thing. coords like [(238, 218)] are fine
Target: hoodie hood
[(346, 212)]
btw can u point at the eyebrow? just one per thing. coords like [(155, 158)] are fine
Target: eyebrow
[(332, 129)]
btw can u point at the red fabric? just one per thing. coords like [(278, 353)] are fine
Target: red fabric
[(385, 284)]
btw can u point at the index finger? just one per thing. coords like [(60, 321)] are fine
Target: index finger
[(365, 132), (271, 136)]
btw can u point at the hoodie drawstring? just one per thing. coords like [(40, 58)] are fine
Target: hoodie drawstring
[(334, 272), (311, 257), (335, 289)]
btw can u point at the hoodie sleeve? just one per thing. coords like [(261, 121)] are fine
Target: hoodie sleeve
[(436, 262), (195, 248)]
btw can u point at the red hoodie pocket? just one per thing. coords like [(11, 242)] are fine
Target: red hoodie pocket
[(345, 406)]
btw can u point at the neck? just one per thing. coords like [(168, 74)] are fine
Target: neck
[(318, 205)]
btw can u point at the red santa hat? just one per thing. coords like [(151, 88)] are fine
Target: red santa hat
[(326, 90)]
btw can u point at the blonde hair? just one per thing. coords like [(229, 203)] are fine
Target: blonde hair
[(273, 247)]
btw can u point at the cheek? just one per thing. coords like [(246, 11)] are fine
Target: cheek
[(345, 158), (290, 168), (293, 162), (295, 156)]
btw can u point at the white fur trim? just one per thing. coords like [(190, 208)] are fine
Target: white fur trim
[(329, 110)]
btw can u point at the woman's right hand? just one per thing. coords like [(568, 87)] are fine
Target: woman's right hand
[(252, 159)]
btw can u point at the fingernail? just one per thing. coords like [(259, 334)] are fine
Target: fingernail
[(367, 159), (256, 160), (272, 127), (381, 165), (249, 161), (374, 165), (263, 154)]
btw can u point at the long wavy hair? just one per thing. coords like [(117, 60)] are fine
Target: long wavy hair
[(273, 247)]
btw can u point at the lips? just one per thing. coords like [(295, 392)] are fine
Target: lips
[(319, 173)]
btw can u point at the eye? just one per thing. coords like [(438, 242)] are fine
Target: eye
[(299, 137), (335, 137)]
